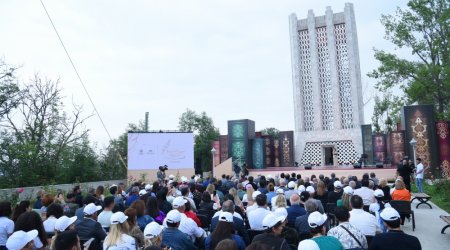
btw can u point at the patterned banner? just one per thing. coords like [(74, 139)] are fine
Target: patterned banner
[(397, 148), (287, 148), (442, 130), (379, 148), (258, 153), (268, 151), (223, 148), (216, 146)]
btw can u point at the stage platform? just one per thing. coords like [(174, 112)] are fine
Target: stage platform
[(387, 172)]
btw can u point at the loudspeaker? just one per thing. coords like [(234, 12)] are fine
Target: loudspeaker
[(356, 165), (308, 166), (379, 165)]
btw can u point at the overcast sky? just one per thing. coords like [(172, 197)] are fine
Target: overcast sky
[(230, 59)]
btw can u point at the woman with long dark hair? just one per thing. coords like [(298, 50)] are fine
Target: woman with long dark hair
[(134, 230), (153, 210), (29, 221), (163, 204), (54, 211), (142, 218), (224, 230), (24, 206)]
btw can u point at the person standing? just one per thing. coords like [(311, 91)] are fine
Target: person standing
[(419, 175), (404, 170)]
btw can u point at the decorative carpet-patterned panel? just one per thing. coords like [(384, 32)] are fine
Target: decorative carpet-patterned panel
[(223, 139), (397, 150), (258, 153), (268, 151), (442, 130), (287, 148), (346, 152), (379, 148)]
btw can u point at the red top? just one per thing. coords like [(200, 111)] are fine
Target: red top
[(401, 195), (193, 216)]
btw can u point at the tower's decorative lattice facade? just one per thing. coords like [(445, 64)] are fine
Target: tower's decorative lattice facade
[(327, 87)]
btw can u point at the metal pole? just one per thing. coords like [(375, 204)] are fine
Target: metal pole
[(414, 154), (146, 121)]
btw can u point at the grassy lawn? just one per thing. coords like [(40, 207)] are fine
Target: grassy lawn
[(440, 193)]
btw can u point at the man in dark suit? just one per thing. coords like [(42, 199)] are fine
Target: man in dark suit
[(88, 227), (404, 170), (295, 210), (228, 206)]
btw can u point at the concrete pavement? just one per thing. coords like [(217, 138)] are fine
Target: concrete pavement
[(428, 227)]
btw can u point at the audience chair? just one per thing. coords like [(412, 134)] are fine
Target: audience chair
[(404, 208), (252, 233)]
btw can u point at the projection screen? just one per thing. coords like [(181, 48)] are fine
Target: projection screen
[(151, 150)]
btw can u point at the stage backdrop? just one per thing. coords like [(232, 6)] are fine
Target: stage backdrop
[(148, 151)]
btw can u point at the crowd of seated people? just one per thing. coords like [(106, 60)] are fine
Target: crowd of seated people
[(262, 212)]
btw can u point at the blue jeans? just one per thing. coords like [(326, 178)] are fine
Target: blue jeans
[(419, 184)]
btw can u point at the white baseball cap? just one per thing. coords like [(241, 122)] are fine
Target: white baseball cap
[(63, 222), (389, 214), (171, 177), (291, 184), (316, 219), (337, 184), (256, 193), (173, 216), (308, 245), (310, 189), (148, 187), (118, 218), (378, 193), (226, 216), (91, 208), (178, 202), (20, 239), (271, 220), (280, 191), (184, 179), (281, 211), (142, 192), (348, 190), (301, 188), (152, 230)]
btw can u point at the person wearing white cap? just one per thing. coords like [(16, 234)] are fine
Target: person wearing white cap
[(312, 191), (153, 234), (172, 237), (187, 225), (316, 222), (21, 240), (224, 230), (118, 238), (349, 236), (63, 224), (88, 227), (67, 240), (334, 196), (345, 199), (365, 193), (377, 208), (273, 226), (238, 221), (279, 198), (256, 216), (395, 238), (308, 245), (291, 189)]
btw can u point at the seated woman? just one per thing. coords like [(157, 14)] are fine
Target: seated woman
[(377, 208), (32, 221), (224, 230), (344, 201), (118, 237), (133, 228), (207, 203), (386, 189), (273, 226), (153, 210), (142, 218), (400, 193)]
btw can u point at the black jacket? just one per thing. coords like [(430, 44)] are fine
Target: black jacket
[(88, 228)]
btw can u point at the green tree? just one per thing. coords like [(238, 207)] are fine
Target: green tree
[(270, 131), (38, 138), (205, 133), (386, 113), (423, 29), (9, 89)]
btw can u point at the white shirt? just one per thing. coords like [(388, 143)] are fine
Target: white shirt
[(189, 227), (419, 171), (49, 224), (6, 229), (364, 221), (251, 208), (126, 243), (366, 194), (256, 217), (104, 218)]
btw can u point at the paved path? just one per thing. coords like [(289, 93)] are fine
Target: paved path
[(428, 227)]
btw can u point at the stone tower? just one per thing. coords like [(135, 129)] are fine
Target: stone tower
[(327, 88)]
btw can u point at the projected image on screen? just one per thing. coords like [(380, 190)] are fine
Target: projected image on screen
[(151, 150)]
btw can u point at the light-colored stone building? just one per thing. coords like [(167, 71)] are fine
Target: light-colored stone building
[(327, 88)]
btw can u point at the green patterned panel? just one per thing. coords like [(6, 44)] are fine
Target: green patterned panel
[(258, 153), (238, 151), (238, 131)]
